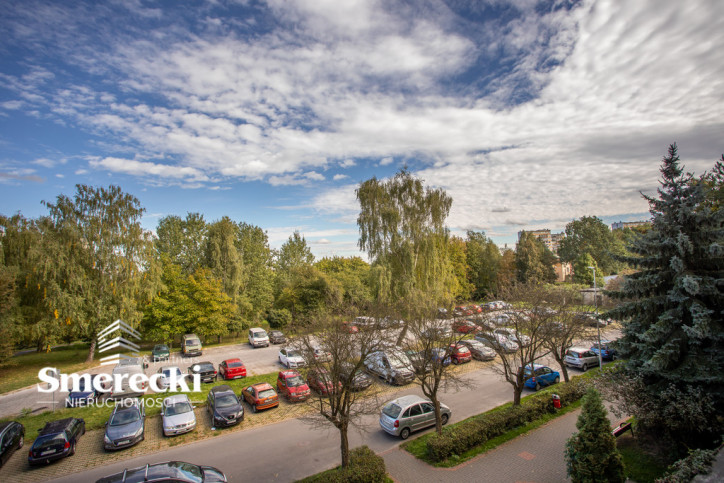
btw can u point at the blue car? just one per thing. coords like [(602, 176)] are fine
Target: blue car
[(608, 353), (539, 376), (85, 395), (438, 354)]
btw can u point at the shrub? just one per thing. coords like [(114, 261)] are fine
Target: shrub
[(278, 318), (477, 430), (697, 463), (364, 467), (591, 453)]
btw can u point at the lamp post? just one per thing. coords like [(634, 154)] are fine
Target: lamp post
[(598, 325)]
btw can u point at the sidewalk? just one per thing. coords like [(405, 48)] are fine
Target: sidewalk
[(534, 457)]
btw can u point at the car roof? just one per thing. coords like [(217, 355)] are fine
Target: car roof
[(262, 385), (176, 399), (56, 426), (221, 388), (408, 400), (236, 359), (289, 373), (5, 425), (169, 367), (579, 349)]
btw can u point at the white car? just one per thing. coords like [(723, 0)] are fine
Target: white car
[(392, 365), (291, 358), (498, 342), (165, 380), (520, 339), (177, 414)]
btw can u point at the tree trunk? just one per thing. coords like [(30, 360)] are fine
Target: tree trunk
[(516, 395), (564, 370), (438, 416), (219, 338), (92, 349), (344, 445)]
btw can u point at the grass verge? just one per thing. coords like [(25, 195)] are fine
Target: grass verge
[(640, 465)]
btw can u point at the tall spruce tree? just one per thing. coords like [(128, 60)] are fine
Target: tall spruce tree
[(591, 453), (673, 332)]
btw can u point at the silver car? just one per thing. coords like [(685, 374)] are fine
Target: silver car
[(178, 415), (581, 358), (410, 413)]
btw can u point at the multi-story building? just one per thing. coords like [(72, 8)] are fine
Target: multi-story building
[(620, 225), (551, 240)]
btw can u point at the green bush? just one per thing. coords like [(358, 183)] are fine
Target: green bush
[(364, 467), (697, 463), (476, 431), (278, 318)]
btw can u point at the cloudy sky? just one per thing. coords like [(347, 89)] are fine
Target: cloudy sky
[(529, 114)]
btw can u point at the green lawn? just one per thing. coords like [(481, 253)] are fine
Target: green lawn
[(641, 465)]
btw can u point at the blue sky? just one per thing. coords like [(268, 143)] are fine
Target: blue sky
[(529, 114)]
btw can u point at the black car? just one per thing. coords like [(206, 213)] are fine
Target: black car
[(205, 369), (277, 337), (57, 439), (224, 407), (177, 471), (12, 437), (126, 426), (85, 394)]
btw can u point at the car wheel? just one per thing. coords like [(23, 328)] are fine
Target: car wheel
[(405, 433), (557, 380), (537, 386), (443, 419), (254, 408), (72, 450), (584, 368), (21, 442)]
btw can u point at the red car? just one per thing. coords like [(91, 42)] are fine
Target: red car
[(475, 309), (260, 396), (232, 369), (350, 327), (291, 384), (319, 380), (465, 327), (459, 354)]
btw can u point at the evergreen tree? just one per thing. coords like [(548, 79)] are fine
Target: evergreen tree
[(673, 333), (591, 453), (533, 261)]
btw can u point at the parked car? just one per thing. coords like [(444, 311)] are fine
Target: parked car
[(474, 309), (464, 326), (440, 355), (501, 320), (608, 353), (350, 328), (166, 373), (260, 396), (479, 350), (418, 360), (56, 440), (321, 355), (580, 358), (232, 369), (462, 311), (177, 415), (127, 368), (126, 425), (391, 365), (86, 392), (519, 338), (160, 352), (190, 345), (204, 369), (359, 381), (12, 437), (437, 330), (320, 380), (176, 471), (291, 358), (291, 384), (224, 407), (406, 414), (459, 353), (499, 342), (277, 337), (539, 376), (258, 337)]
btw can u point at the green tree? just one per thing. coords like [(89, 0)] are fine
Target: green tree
[(672, 307), (483, 259), (294, 253), (307, 293), (583, 274), (227, 265), (533, 261), (208, 308), (590, 235), (351, 274), (278, 318), (95, 259), (257, 289), (164, 318), (9, 313), (591, 453), (461, 288), (402, 228), (183, 241)]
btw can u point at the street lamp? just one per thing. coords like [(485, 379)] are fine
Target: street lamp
[(598, 325)]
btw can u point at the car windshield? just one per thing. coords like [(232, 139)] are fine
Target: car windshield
[(235, 364), (125, 416), (175, 469), (295, 381), (206, 367), (226, 400), (82, 386), (392, 410), (48, 440), (167, 372), (476, 345), (293, 354), (178, 408), (259, 333), (397, 361), (161, 348), (266, 393), (463, 350), (193, 342)]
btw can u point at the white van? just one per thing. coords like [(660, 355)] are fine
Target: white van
[(258, 337), (130, 367)]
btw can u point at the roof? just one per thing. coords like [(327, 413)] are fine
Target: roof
[(235, 359), (56, 426), (175, 399), (5, 425), (222, 388), (409, 399), (261, 385), (289, 373)]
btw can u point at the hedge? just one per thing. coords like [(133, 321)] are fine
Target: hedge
[(698, 462), (475, 431), (364, 467)]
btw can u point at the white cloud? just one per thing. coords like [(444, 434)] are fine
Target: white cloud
[(338, 177), (386, 161), (347, 163)]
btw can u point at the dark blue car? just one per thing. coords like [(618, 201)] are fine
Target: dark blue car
[(85, 395), (539, 376), (608, 353), (438, 354)]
